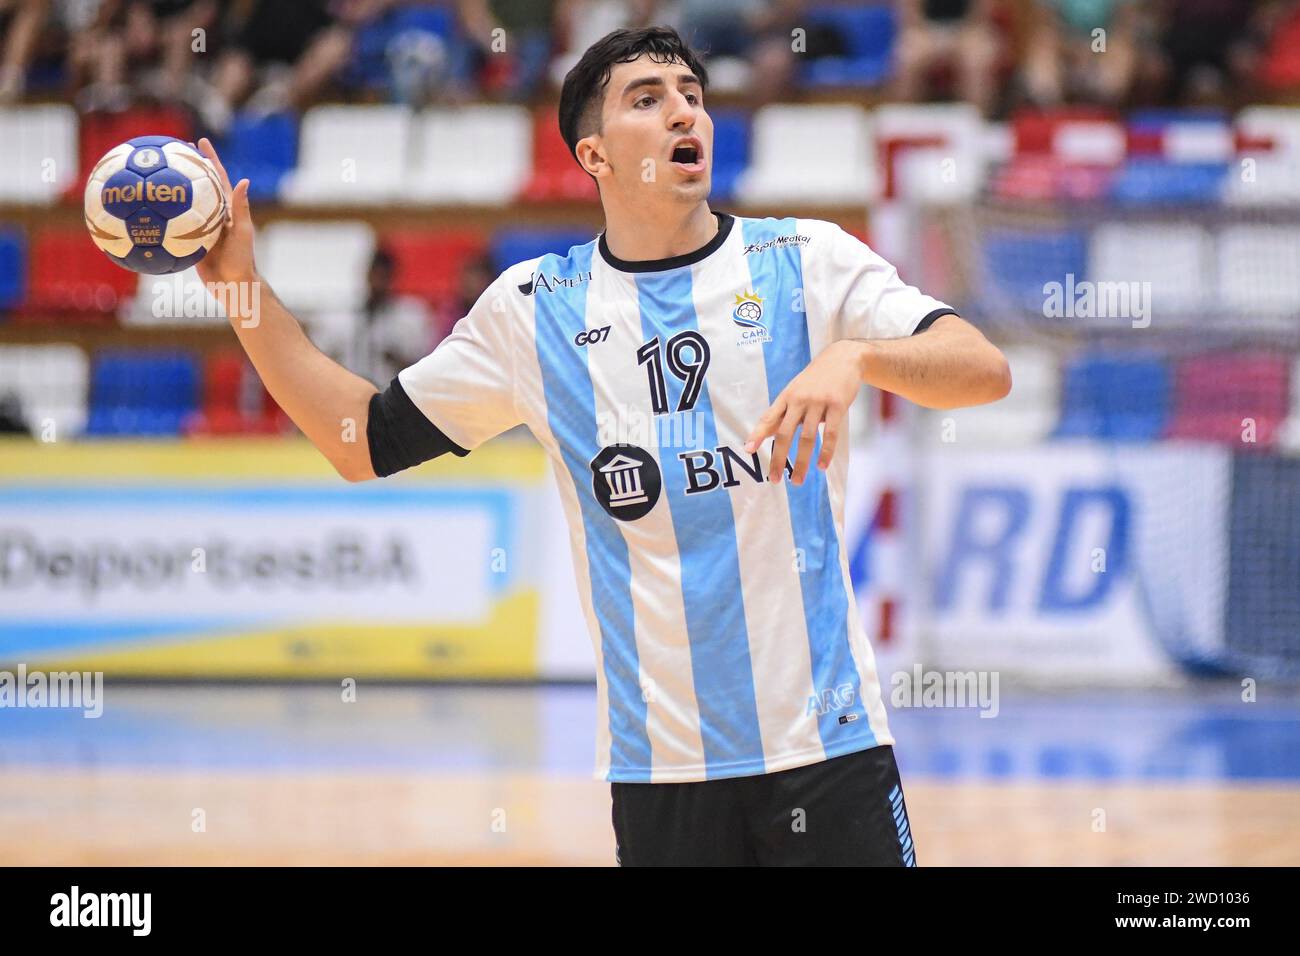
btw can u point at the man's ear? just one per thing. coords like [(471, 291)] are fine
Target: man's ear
[(590, 156)]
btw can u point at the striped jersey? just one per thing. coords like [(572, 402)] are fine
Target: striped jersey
[(726, 637)]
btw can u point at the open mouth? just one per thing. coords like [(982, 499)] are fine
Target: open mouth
[(689, 156)]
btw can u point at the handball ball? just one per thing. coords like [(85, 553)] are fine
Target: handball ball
[(155, 205)]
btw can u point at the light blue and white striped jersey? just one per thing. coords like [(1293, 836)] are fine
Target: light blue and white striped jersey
[(720, 607)]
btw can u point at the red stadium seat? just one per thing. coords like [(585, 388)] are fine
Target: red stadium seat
[(428, 263), (70, 276), (556, 175), (226, 377), (1215, 393), (100, 132)]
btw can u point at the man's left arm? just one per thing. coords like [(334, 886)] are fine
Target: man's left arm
[(949, 365)]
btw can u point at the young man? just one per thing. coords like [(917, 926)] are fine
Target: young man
[(678, 370)]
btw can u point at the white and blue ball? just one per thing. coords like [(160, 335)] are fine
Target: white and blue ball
[(155, 205)]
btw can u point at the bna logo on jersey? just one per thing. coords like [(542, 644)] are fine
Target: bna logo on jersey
[(748, 315)]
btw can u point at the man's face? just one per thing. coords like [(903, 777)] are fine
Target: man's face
[(656, 138)]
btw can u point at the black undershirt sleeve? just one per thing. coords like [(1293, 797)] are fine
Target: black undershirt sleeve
[(929, 320), (399, 434)]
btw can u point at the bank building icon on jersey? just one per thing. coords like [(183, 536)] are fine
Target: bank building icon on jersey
[(623, 475)]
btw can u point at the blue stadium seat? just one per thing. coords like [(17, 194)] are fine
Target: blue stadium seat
[(1120, 398), (136, 393), (517, 245), (262, 149), (1144, 181), (730, 150), (868, 34), (1017, 264), (13, 268)]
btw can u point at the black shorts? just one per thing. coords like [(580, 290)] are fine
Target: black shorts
[(845, 811)]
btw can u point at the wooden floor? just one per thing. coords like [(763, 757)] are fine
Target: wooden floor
[(132, 817)]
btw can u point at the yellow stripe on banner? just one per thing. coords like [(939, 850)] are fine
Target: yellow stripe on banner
[(241, 459), (505, 646)]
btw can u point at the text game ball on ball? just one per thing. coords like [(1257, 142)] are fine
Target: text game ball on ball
[(155, 205)]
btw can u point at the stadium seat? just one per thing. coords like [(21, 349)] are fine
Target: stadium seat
[(1269, 175), (1116, 398), (830, 144), (350, 155), (473, 154), (868, 35), (13, 268), (38, 153), (70, 276), (1178, 261), (142, 393), (1027, 415), (50, 383), (556, 175), (1259, 271), (1145, 181), (317, 266), (234, 400), (262, 149), (100, 132), (428, 263), (1289, 437), (1215, 395), (730, 151), (177, 299), (1017, 264), (510, 246)]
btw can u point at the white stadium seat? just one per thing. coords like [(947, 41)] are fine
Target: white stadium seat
[(1266, 177), (1177, 259), (1027, 415), (812, 154), (350, 155), (178, 299), (51, 383), (317, 266), (1289, 436), (38, 153), (1259, 271), (475, 154)]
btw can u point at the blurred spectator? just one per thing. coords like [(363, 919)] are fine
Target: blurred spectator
[(292, 47), (757, 31), (1207, 50), (507, 46), (21, 22), (11, 415), (1278, 31), (109, 39), (389, 333), (1081, 50), (474, 280), (957, 32)]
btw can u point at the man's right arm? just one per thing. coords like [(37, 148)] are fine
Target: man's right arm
[(325, 400)]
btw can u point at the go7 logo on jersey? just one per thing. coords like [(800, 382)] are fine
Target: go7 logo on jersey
[(592, 336)]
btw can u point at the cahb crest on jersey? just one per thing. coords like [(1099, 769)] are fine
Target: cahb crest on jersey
[(748, 315)]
